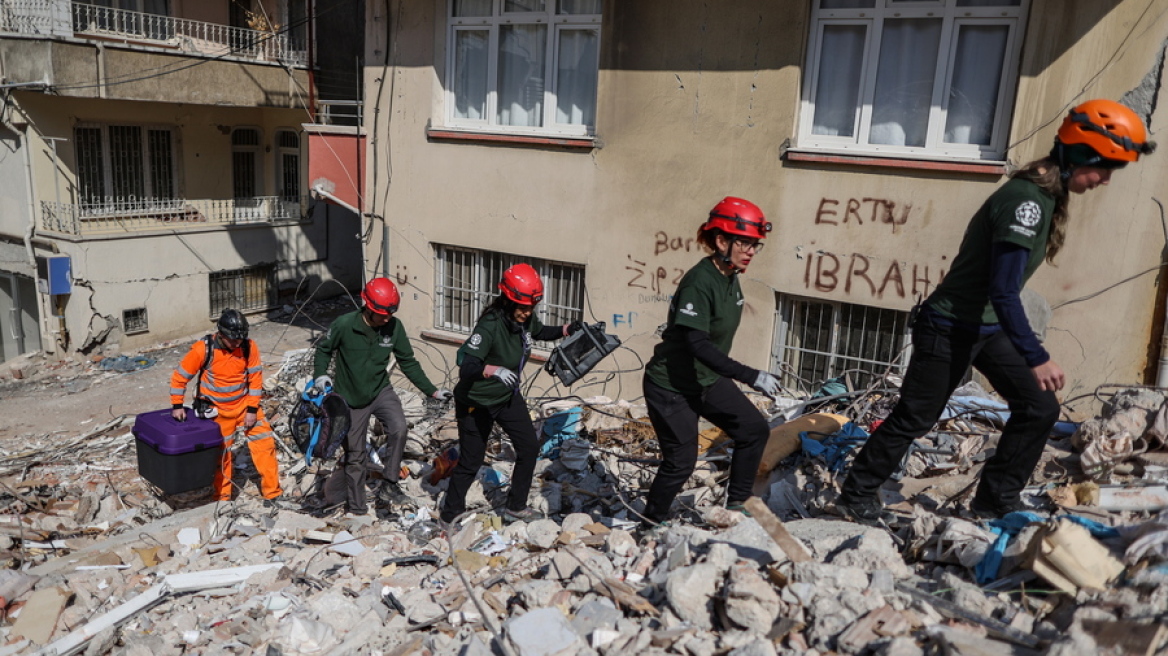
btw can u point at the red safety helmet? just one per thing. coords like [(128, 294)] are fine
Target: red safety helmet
[(1113, 131), (737, 216), (521, 284), (381, 296)]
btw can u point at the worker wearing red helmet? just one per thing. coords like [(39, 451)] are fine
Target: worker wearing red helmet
[(490, 369), (691, 374), (358, 346), (975, 315)]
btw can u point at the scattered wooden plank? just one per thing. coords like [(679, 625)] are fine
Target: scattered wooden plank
[(779, 533)]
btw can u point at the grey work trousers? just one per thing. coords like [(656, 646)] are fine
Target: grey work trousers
[(354, 464)]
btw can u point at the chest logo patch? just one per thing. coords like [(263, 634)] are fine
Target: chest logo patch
[(386, 341), (689, 310), (475, 340), (1028, 214)]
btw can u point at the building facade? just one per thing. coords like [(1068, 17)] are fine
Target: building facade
[(591, 138), (155, 170)]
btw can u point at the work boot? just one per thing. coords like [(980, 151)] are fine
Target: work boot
[(738, 507), (391, 494), (652, 531), (528, 514), (988, 510), (863, 510)]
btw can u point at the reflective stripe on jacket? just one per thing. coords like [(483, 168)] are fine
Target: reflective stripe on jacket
[(227, 379)]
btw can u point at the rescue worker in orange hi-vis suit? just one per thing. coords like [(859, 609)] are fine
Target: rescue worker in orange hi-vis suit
[(229, 385)]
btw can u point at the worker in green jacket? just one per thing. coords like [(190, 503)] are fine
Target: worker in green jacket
[(358, 346)]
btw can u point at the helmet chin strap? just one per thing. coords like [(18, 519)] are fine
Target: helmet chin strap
[(724, 258)]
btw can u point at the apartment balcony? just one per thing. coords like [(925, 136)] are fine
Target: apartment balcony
[(119, 216), (78, 49)]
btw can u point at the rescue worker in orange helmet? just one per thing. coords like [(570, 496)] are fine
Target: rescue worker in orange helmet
[(232, 384), (975, 316)]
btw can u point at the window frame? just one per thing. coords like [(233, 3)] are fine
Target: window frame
[(243, 293), (258, 151), (110, 202), (784, 313), (953, 18), (555, 23), (279, 151), (563, 300)]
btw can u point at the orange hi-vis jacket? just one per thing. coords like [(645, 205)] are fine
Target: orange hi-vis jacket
[(228, 381)]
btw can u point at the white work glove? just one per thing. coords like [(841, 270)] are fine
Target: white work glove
[(503, 374), (321, 382), (767, 383), (442, 395)]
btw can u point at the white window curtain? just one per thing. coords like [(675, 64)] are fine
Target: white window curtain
[(522, 59), (470, 74), (576, 77), (977, 76), (838, 92), (904, 82)]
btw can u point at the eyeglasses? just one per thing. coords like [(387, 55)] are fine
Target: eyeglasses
[(747, 246)]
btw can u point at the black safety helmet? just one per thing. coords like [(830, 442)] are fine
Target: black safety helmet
[(232, 324)]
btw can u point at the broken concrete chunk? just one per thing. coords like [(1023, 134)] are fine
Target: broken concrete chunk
[(751, 601), (690, 591), (543, 632), (543, 533)]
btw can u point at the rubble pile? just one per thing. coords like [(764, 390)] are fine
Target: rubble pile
[(98, 562)]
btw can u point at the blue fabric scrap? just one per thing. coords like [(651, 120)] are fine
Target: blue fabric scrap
[(834, 449)]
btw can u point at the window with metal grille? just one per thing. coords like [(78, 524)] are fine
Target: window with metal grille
[(250, 288), (125, 167), (245, 156), (818, 340), (467, 280), (135, 321), (288, 165)]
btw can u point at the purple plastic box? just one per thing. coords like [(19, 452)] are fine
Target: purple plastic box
[(177, 456)]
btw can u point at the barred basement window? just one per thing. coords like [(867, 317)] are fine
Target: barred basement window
[(817, 340), (135, 321), (247, 289), (467, 280)]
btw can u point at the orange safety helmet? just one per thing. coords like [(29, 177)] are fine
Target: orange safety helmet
[(1112, 130), (737, 216), (522, 284), (381, 296)]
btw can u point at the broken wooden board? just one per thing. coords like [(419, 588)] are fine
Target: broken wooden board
[(779, 533)]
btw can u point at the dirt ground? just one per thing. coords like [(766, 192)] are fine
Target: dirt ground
[(70, 398)]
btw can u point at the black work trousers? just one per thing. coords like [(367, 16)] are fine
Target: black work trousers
[(941, 355), (675, 420), (474, 427)]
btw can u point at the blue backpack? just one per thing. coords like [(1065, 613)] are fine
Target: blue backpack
[(320, 422)]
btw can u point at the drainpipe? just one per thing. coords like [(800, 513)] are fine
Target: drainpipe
[(28, 237)]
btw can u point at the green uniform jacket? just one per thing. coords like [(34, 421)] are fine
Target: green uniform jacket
[(705, 300), (498, 342), (1019, 213), (362, 358)]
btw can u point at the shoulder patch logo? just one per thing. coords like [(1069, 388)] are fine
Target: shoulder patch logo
[(1028, 214), (475, 340), (689, 310)]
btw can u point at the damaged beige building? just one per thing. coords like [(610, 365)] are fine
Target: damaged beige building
[(591, 137), (155, 170)]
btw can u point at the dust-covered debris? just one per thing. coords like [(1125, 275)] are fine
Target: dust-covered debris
[(101, 562)]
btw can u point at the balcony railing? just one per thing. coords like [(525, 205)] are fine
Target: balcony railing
[(65, 18), (121, 215)]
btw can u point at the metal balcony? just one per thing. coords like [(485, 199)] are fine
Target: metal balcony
[(124, 215), (62, 18)]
